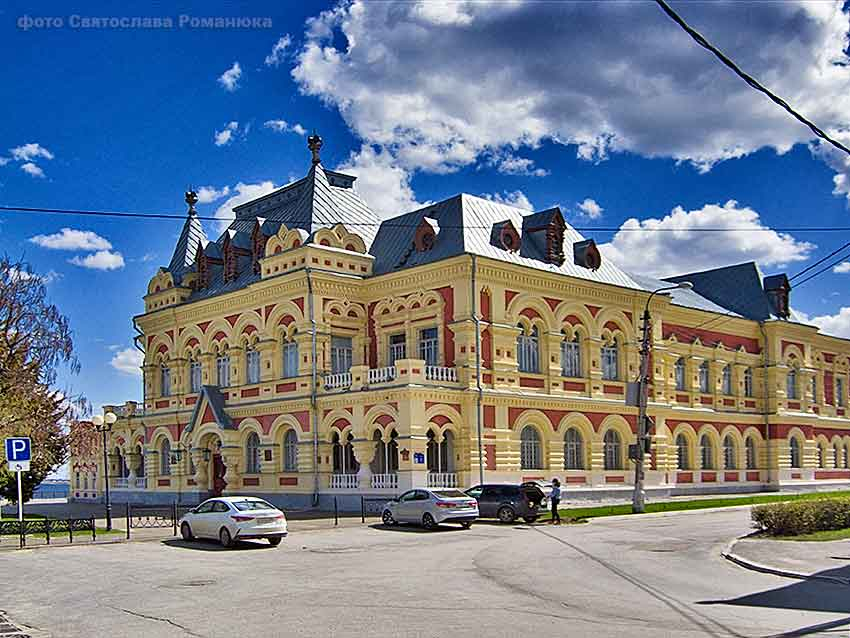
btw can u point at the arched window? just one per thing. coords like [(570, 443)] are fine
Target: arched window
[(730, 453), (141, 453), (344, 461), (796, 452), (750, 449), (252, 366), (726, 380), (703, 377), (194, 376), (571, 357), (386, 454), (165, 380), (252, 454), (821, 456), (791, 384), (573, 450), (351, 464), (165, 457), (289, 350), (836, 456), (683, 461), (611, 361), (530, 452), (814, 389), (612, 445), (447, 452), (679, 372), (290, 451), (527, 351), (222, 368), (706, 452), (748, 382)]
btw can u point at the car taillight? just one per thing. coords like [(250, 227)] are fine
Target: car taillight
[(242, 519), (278, 516), (472, 504), (444, 504)]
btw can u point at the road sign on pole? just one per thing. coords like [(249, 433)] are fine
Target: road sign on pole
[(18, 455)]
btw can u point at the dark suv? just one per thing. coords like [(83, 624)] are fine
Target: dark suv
[(508, 502)]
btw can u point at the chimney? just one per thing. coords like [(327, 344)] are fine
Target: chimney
[(778, 288)]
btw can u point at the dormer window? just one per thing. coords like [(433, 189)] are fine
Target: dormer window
[(504, 235), (777, 288), (426, 234), (543, 236)]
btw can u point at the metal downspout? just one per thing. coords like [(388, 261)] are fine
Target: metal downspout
[(766, 398), (314, 412), (480, 397)]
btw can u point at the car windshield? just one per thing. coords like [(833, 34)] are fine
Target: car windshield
[(450, 494), (244, 506)]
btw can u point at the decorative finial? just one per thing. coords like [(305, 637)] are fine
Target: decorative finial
[(314, 143), (191, 199)]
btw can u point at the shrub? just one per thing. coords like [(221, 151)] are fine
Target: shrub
[(802, 517)]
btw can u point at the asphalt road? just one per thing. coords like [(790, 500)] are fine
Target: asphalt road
[(653, 576)]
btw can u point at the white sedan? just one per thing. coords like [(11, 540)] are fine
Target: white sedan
[(231, 518), (429, 508)]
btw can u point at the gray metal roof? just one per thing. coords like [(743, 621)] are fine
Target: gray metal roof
[(192, 237), (680, 297), (736, 288), (466, 225), (215, 399)]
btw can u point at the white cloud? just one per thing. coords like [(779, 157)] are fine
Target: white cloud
[(229, 80), (34, 170), (509, 164), (516, 199), (637, 85), (590, 208), (4, 161), (225, 136), (72, 239), (843, 267), (207, 194), (381, 182), (147, 257), (30, 151), (837, 325), (278, 51), (101, 260), (242, 193), (678, 246), (282, 126), (128, 361)]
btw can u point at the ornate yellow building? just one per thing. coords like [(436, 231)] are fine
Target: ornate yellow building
[(315, 351)]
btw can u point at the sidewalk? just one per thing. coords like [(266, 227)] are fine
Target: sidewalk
[(827, 560)]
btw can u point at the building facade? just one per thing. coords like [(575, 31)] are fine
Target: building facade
[(314, 351)]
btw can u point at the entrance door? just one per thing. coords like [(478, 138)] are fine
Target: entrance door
[(219, 483)]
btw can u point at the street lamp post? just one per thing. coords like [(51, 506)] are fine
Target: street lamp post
[(103, 424), (639, 497)]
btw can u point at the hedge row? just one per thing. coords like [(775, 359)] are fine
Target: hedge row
[(802, 517)]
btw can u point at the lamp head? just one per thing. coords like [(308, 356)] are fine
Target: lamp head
[(685, 285), (110, 418), (97, 420)]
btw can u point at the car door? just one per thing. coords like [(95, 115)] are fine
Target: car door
[(488, 504), (419, 505), (219, 518), (404, 510), (200, 521)]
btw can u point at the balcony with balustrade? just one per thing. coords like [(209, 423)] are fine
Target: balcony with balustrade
[(442, 479), (384, 481), (344, 482), (405, 371)]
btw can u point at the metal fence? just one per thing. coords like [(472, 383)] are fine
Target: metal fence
[(371, 507), (47, 527), (154, 516)]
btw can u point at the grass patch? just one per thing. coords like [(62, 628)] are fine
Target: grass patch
[(696, 504), (825, 535)]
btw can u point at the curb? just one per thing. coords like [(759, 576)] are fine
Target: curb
[(729, 555)]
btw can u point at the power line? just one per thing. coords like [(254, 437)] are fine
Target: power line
[(699, 39), (391, 224), (829, 266), (820, 261)]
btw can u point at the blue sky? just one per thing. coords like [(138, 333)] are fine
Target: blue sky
[(617, 117)]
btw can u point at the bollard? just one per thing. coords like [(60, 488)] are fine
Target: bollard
[(93, 529), (336, 513), (22, 533), (174, 517), (47, 530), (70, 531), (128, 521), (362, 509)]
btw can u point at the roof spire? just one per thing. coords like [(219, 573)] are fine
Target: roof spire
[(314, 143), (191, 198)]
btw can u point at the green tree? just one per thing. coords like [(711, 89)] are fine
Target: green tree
[(35, 342)]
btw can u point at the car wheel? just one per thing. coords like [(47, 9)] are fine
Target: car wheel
[(466, 524), (506, 515), (186, 532), (428, 521), (224, 537), (274, 541), (387, 518), (529, 519)]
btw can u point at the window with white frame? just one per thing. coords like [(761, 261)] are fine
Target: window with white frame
[(814, 388), (611, 361), (839, 392), (730, 453), (290, 359), (252, 454), (683, 461), (726, 380), (573, 450), (821, 456), (164, 458), (290, 451), (703, 375), (571, 357), (252, 366), (748, 382), (796, 452), (222, 369), (429, 344), (679, 372), (527, 351), (341, 354), (531, 456), (397, 348), (791, 384), (165, 380), (195, 376), (706, 447), (751, 451), (612, 450)]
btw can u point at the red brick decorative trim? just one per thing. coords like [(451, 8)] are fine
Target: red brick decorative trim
[(753, 476), (684, 477), (163, 483), (251, 481), (615, 479), (708, 477), (288, 480), (250, 392), (832, 474), (529, 382), (730, 477)]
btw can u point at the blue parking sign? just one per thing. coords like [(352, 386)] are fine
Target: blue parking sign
[(18, 451)]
